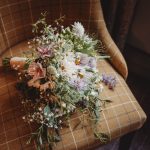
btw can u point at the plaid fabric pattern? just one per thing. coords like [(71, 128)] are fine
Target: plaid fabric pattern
[(121, 116), (118, 118), (16, 17)]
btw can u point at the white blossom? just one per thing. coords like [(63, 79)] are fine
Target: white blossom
[(23, 117), (40, 109), (101, 87), (78, 29)]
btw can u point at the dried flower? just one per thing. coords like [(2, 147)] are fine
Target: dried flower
[(109, 80), (53, 98), (36, 70), (46, 51), (17, 63)]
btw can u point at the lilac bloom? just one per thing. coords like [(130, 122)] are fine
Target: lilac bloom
[(79, 84), (92, 62), (112, 84), (84, 59), (109, 80)]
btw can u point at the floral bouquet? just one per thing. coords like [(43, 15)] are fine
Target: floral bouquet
[(59, 77)]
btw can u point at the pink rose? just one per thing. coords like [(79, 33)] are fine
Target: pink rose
[(36, 70)]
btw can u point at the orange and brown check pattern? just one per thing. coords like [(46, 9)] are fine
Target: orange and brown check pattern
[(121, 116), (16, 17), (118, 118)]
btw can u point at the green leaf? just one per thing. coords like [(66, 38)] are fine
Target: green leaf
[(29, 141), (103, 57), (6, 62), (104, 138), (47, 109), (26, 66), (40, 140), (107, 100)]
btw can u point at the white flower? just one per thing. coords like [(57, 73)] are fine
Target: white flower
[(50, 114), (52, 70), (48, 118), (78, 29), (45, 114), (63, 104), (93, 93), (71, 107), (23, 118), (101, 87), (31, 120), (40, 109)]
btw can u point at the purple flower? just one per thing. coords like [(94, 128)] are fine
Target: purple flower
[(92, 62), (79, 84), (46, 51), (109, 80), (84, 59), (112, 84)]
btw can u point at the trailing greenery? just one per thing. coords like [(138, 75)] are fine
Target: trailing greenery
[(59, 78)]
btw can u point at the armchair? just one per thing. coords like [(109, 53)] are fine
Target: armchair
[(123, 115)]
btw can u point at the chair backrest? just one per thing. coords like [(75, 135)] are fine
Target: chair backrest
[(16, 17)]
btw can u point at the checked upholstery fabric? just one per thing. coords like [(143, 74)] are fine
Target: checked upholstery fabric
[(121, 116)]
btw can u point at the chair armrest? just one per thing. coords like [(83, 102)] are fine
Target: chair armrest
[(117, 59)]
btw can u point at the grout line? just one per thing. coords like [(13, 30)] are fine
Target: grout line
[(107, 124), (5, 34), (73, 136), (89, 15), (12, 4), (19, 27), (4, 131), (30, 10), (132, 102), (15, 139), (12, 22), (84, 130), (117, 119)]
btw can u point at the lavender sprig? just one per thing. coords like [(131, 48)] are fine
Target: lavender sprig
[(109, 80)]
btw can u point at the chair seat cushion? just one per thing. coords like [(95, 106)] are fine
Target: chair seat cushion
[(121, 116)]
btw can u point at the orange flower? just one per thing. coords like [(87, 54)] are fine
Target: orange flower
[(77, 61), (47, 85), (53, 98)]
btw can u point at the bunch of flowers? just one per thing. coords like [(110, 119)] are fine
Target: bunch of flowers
[(59, 78)]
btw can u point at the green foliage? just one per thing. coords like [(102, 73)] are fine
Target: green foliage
[(104, 138), (49, 106), (6, 62)]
